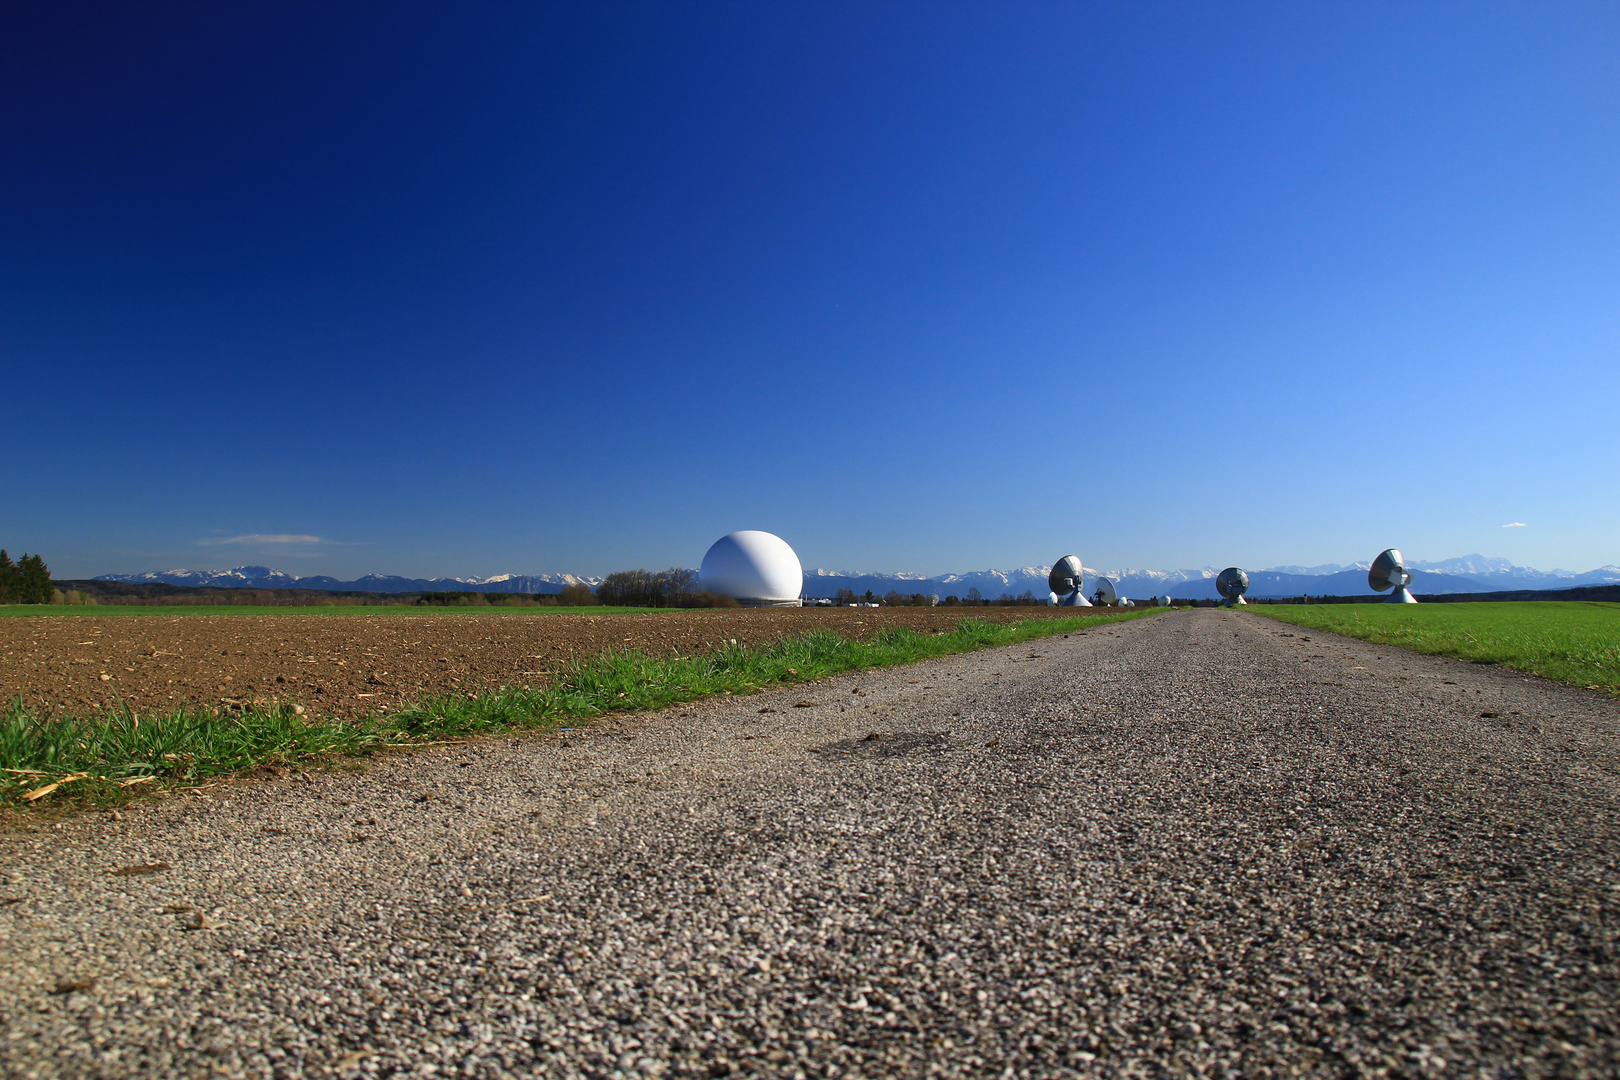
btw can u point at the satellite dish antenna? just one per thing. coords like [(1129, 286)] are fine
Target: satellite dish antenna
[(1232, 583), (1389, 572), (1106, 594), (1065, 581)]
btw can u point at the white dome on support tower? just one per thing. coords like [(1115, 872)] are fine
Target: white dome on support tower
[(756, 569)]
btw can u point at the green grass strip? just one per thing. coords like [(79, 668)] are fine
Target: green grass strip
[(1572, 641), (187, 745)]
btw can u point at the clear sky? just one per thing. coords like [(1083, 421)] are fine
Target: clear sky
[(469, 289)]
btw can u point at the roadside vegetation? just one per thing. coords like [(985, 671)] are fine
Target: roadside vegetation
[(1573, 642), (103, 758)]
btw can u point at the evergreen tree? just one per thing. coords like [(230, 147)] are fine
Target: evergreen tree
[(8, 579), (30, 581)]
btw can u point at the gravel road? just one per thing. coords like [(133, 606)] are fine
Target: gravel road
[(1200, 843)]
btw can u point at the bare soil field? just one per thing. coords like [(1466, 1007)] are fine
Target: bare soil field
[(350, 664)]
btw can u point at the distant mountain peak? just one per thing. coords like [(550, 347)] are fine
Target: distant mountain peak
[(1307, 571)]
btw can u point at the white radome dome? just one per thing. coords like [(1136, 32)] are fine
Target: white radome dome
[(757, 569)]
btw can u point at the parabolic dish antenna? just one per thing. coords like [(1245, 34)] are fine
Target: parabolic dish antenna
[(1232, 583), (1065, 581), (1106, 594), (1389, 572)]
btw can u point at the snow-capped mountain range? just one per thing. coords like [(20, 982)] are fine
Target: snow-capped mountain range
[(1468, 573), (263, 577)]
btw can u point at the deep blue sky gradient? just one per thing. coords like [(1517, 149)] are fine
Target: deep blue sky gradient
[(469, 289)]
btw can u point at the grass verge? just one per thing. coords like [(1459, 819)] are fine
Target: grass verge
[(104, 758), (1572, 641)]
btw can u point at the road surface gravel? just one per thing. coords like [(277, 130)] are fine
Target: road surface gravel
[(1201, 843)]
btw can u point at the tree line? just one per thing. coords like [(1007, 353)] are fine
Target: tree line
[(1027, 598), (572, 596), (672, 588), (26, 581)]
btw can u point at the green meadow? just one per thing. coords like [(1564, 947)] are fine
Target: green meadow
[(102, 758), (1571, 641)]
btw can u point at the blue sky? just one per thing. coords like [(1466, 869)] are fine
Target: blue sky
[(473, 289)]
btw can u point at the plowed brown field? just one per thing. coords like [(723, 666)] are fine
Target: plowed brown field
[(351, 664)]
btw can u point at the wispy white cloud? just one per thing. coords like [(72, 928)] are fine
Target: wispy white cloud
[(263, 538), (1514, 525)]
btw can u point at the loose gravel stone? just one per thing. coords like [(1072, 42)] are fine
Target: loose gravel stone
[(1196, 844)]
